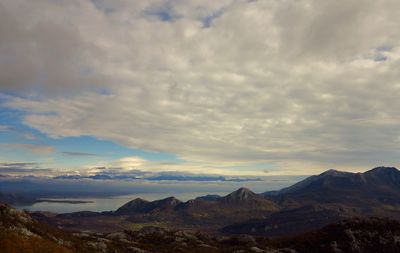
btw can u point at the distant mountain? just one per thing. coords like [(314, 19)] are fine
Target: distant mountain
[(326, 198), (244, 198), (241, 195), (143, 206), (379, 186), (239, 205), (209, 197), (210, 211), (137, 205)]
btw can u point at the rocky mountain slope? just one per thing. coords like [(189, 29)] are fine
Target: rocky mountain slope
[(326, 198), (380, 185), (20, 232), (366, 235)]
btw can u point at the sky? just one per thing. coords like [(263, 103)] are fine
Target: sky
[(231, 87)]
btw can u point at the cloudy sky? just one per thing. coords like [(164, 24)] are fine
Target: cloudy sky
[(229, 87)]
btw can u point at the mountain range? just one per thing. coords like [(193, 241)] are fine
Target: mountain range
[(328, 197), (307, 205), (379, 185)]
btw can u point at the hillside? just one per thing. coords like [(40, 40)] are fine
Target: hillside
[(20, 232), (327, 198), (367, 235), (380, 185)]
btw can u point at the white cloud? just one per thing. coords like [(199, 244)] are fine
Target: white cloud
[(298, 84), (129, 163)]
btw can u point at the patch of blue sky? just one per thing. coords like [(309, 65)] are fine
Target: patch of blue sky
[(163, 11), (105, 149), (208, 20), (165, 15), (14, 131), (103, 6), (8, 154)]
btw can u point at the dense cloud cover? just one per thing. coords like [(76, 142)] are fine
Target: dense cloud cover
[(296, 84)]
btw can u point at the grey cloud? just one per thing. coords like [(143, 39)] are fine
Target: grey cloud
[(19, 164), (23, 168), (12, 169), (43, 51), (291, 83), (74, 153)]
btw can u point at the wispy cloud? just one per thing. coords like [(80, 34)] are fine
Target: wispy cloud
[(4, 128), (23, 168), (19, 164), (34, 148), (74, 153), (23, 134)]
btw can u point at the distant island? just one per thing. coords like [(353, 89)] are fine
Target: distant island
[(67, 201), (26, 200)]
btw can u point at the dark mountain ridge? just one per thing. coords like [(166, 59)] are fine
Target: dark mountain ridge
[(326, 198), (310, 204), (239, 205), (379, 185)]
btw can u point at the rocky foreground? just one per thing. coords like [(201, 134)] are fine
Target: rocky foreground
[(19, 232)]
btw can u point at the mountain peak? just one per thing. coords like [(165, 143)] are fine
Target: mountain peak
[(165, 203), (139, 200), (383, 169), (136, 205), (386, 175), (240, 194), (243, 191), (172, 200), (333, 172)]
